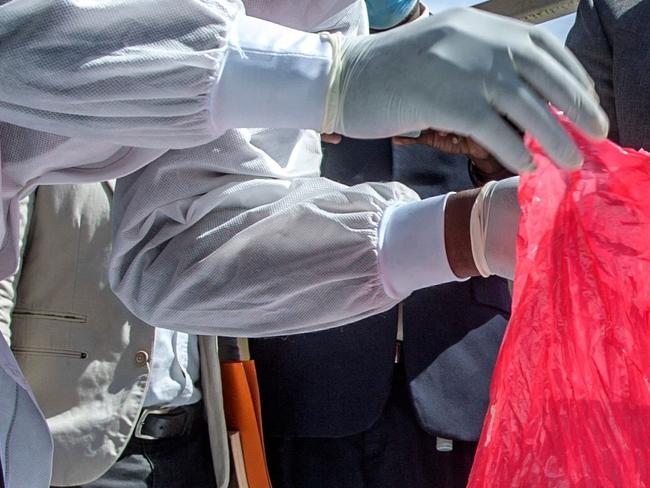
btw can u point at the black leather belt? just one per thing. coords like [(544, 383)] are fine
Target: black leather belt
[(167, 423)]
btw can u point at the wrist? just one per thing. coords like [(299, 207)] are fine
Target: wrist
[(458, 242)]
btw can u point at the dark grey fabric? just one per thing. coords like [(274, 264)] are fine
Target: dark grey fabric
[(612, 39), (393, 453), (326, 384), (452, 335), (451, 393), (181, 462)]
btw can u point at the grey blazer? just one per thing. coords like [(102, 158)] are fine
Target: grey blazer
[(612, 39), (84, 355)]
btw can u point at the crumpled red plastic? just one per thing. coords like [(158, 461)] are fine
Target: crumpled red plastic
[(570, 395)]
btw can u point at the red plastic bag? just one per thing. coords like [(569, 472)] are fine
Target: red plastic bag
[(570, 395)]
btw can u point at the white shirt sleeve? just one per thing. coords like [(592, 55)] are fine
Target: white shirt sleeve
[(412, 251), (147, 73), (242, 238), (273, 76)]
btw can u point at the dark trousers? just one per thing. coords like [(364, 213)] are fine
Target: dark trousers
[(394, 453), (180, 462)]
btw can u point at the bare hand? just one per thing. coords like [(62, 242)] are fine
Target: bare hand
[(455, 144), (446, 142)]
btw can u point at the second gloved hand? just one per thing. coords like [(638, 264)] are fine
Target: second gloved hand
[(466, 72)]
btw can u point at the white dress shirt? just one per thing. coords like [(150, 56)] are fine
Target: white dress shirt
[(174, 376)]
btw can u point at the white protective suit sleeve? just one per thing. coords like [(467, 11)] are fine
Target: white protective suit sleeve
[(93, 90), (144, 72), (241, 237)]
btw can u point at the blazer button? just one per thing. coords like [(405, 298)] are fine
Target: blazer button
[(141, 358)]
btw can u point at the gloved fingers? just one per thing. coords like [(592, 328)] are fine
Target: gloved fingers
[(501, 140), (556, 49), (530, 113), (553, 82)]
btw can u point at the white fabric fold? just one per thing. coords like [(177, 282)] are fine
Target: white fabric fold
[(412, 249)]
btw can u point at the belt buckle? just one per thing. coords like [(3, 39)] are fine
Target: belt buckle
[(143, 417)]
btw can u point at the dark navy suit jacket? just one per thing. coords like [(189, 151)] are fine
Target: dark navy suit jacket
[(335, 383), (612, 40)]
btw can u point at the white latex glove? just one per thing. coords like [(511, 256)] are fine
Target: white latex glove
[(494, 224), (460, 71)]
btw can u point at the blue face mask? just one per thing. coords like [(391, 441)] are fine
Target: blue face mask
[(384, 14)]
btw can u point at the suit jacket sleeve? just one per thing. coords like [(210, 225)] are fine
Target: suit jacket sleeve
[(589, 40)]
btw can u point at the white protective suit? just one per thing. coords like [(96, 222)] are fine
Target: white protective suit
[(245, 210)]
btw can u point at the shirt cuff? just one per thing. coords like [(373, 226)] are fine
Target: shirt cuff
[(411, 246), (273, 77)]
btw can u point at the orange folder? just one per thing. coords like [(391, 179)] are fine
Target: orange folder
[(241, 401)]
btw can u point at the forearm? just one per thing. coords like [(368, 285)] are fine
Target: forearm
[(306, 266), (251, 257), (244, 239), (472, 233), (458, 242)]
